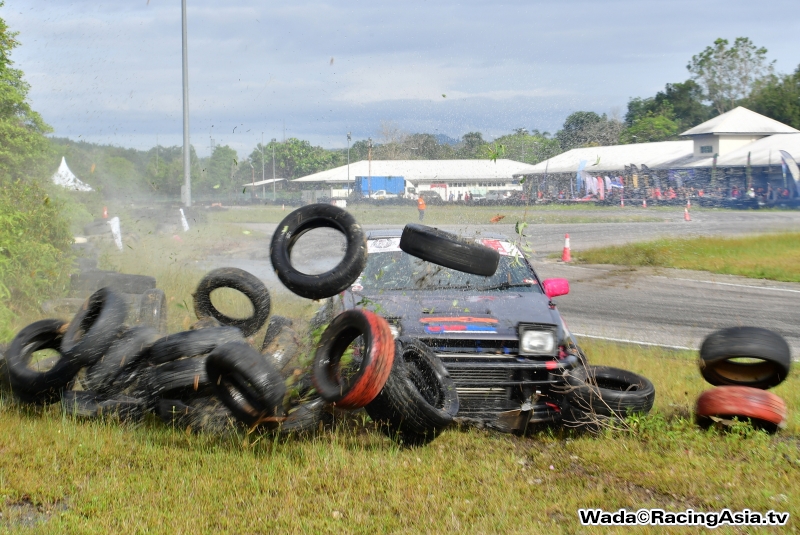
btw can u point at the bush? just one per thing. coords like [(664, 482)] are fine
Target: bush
[(35, 256)]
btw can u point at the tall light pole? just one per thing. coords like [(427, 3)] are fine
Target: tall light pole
[(187, 170), (369, 157), (273, 169), (348, 164)]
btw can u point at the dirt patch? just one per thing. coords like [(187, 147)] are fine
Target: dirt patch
[(25, 513)]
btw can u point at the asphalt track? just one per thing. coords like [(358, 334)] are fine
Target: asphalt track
[(661, 307)]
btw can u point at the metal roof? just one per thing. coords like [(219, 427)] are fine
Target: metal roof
[(741, 121), (615, 157), (763, 152), (424, 170), (263, 182)]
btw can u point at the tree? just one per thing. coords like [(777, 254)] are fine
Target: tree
[(728, 74), (588, 129), (295, 158), (647, 129), (679, 102), (528, 148), (778, 97), (22, 140), (471, 146)]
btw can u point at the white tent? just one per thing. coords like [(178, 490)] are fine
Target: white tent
[(64, 177)]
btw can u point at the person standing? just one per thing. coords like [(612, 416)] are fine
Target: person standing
[(421, 207)]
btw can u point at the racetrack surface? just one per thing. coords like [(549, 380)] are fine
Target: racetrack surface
[(664, 307)]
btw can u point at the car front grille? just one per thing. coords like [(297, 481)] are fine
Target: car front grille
[(472, 347), (476, 401)]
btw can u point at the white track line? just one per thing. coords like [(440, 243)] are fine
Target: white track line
[(634, 342), (772, 288)]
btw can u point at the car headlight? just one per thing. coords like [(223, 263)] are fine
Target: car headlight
[(536, 340)]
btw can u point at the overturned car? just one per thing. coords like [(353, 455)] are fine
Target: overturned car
[(500, 337)]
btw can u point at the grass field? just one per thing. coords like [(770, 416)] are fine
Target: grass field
[(766, 256), (61, 475), (448, 215)]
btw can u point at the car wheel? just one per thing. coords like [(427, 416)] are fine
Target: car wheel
[(31, 385), (94, 328), (419, 398), (606, 392), (763, 409), (352, 387), (768, 354), (449, 250), (333, 281), (191, 343), (247, 384), (240, 280)]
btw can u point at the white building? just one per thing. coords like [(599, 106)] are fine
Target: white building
[(445, 177)]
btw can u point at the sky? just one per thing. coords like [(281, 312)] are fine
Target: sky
[(110, 72)]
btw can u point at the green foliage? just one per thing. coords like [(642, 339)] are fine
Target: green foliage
[(529, 148), (653, 128), (728, 74), (22, 141), (472, 146), (588, 129), (34, 249), (294, 158), (679, 102), (778, 97)]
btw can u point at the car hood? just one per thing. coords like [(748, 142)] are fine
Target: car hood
[(458, 314)]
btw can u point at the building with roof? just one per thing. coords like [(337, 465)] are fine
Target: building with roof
[(444, 177), (733, 151)]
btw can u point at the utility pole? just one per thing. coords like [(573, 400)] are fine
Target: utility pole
[(273, 169), (262, 157), (348, 164), (187, 170), (369, 157), (156, 154)]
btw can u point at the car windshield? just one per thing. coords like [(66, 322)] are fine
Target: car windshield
[(396, 270)]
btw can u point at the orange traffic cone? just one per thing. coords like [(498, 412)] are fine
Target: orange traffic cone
[(565, 255), (105, 212), (644, 203), (622, 202), (686, 216)]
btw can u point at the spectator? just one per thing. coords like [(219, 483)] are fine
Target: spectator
[(459, 197), (421, 207), (452, 197)]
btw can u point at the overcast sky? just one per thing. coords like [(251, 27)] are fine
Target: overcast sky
[(110, 72)]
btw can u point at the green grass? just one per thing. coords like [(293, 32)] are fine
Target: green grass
[(447, 215), (766, 256), (102, 477)]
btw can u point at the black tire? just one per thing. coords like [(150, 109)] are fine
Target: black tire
[(178, 379), (88, 404), (333, 281), (608, 392), (306, 418), (449, 250), (419, 399), (38, 386), (275, 327), (197, 413), (238, 279), (247, 384), (153, 310), (191, 343), (94, 328), (90, 281), (770, 348), (118, 368)]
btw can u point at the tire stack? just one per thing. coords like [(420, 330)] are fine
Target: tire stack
[(357, 363), (742, 363)]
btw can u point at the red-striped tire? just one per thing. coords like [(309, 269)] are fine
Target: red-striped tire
[(764, 409), (373, 370)]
